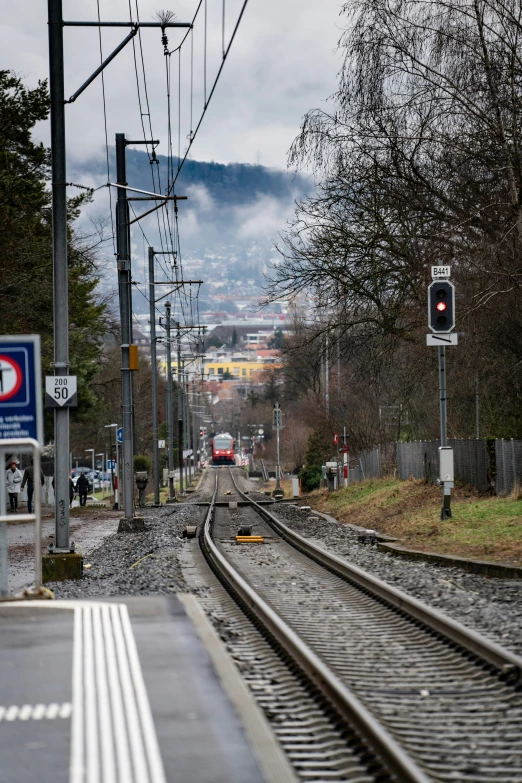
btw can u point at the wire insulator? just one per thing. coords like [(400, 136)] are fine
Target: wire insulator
[(165, 43)]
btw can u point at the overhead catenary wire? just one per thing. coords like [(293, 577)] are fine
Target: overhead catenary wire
[(106, 134), (193, 133)]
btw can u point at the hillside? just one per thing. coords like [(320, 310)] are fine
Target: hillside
[(228, 225)]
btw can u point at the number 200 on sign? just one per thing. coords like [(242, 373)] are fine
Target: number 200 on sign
[(61, 390)]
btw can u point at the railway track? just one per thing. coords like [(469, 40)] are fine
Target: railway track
[(429, 699)]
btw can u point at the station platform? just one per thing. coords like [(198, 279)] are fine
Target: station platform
[(115, 691)]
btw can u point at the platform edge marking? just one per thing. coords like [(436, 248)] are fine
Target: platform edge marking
[(144, 710), (273, 763), (106, 733), (118, 714), (76, 769), (141, 774), (91, 712)]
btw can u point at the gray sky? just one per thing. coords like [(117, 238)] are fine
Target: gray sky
[(283, 62)]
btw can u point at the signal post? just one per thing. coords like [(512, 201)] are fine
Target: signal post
[(441, 321)]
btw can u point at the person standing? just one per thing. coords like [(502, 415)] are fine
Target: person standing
[(28, 479), (13, 479), (82, 486)]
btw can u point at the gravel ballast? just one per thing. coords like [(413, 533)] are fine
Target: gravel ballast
[(138, 563), (490, 605)]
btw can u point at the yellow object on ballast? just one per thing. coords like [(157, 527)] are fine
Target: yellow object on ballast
[(250, 539)]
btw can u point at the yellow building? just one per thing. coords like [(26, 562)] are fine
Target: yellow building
[(237, 368)]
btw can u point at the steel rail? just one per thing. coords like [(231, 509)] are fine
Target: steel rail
[(490, 652), (343, 700)]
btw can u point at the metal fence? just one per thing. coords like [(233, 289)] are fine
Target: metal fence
[(508, 460), (420, 459), (373, 463), (500, 471)]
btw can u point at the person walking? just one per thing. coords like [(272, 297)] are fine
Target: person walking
[(13, 479), (82, 486), (28, 479)]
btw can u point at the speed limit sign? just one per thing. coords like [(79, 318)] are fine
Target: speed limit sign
[(61, 391)]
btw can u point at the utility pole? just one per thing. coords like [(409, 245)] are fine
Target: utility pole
[(60, 272), (278, 492), (345, 459), (441, 321), (327, 378), (172, 492), (194, 427), (446, 497), (56, 25), (128, 523), (180, 414), (186, 425), (154, 368), (477, 409)]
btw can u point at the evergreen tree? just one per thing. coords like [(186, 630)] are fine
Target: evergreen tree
[(26, 272)]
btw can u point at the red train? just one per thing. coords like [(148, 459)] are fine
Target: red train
[(223, 449)]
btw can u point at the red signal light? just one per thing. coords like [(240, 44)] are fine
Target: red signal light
[(441, 306)]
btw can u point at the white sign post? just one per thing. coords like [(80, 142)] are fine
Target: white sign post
[(61, 391)]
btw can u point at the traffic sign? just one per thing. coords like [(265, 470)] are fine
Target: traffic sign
[(119, 434), (20, 388), (442, 339), (161, 444), (440, 272), (61, 391)]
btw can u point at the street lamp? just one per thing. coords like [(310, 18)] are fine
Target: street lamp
[(115, 485), (92, 452), (104, 468)]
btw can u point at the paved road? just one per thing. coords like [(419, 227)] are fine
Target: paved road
[(87, 533)]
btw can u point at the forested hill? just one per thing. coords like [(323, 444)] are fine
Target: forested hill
[(233, 212), (229, 184)]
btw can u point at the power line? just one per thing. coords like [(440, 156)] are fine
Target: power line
[(106, 135)]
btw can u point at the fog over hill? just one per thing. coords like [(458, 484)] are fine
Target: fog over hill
[(228, 225)]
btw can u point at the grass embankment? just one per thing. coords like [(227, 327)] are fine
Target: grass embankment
[(482, 527)]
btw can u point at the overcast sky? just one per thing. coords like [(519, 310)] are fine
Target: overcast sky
[(282, 63)]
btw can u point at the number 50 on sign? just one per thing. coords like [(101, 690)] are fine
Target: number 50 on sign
[(61, 391)]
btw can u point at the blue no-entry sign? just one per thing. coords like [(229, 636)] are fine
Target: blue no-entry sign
[(20, 388), (119, 434)]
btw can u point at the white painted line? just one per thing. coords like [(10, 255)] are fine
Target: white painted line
[(135, 739), (65, 710), (118, 714), (149, 731), (37, 712), (104, 713), (12, 713), (76, 760), (52, 711), (91, 713)]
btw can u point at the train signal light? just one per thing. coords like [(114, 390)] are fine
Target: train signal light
[(441, 306), (277, 417)]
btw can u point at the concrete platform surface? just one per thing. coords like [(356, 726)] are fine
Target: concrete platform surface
[(116, 691)]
